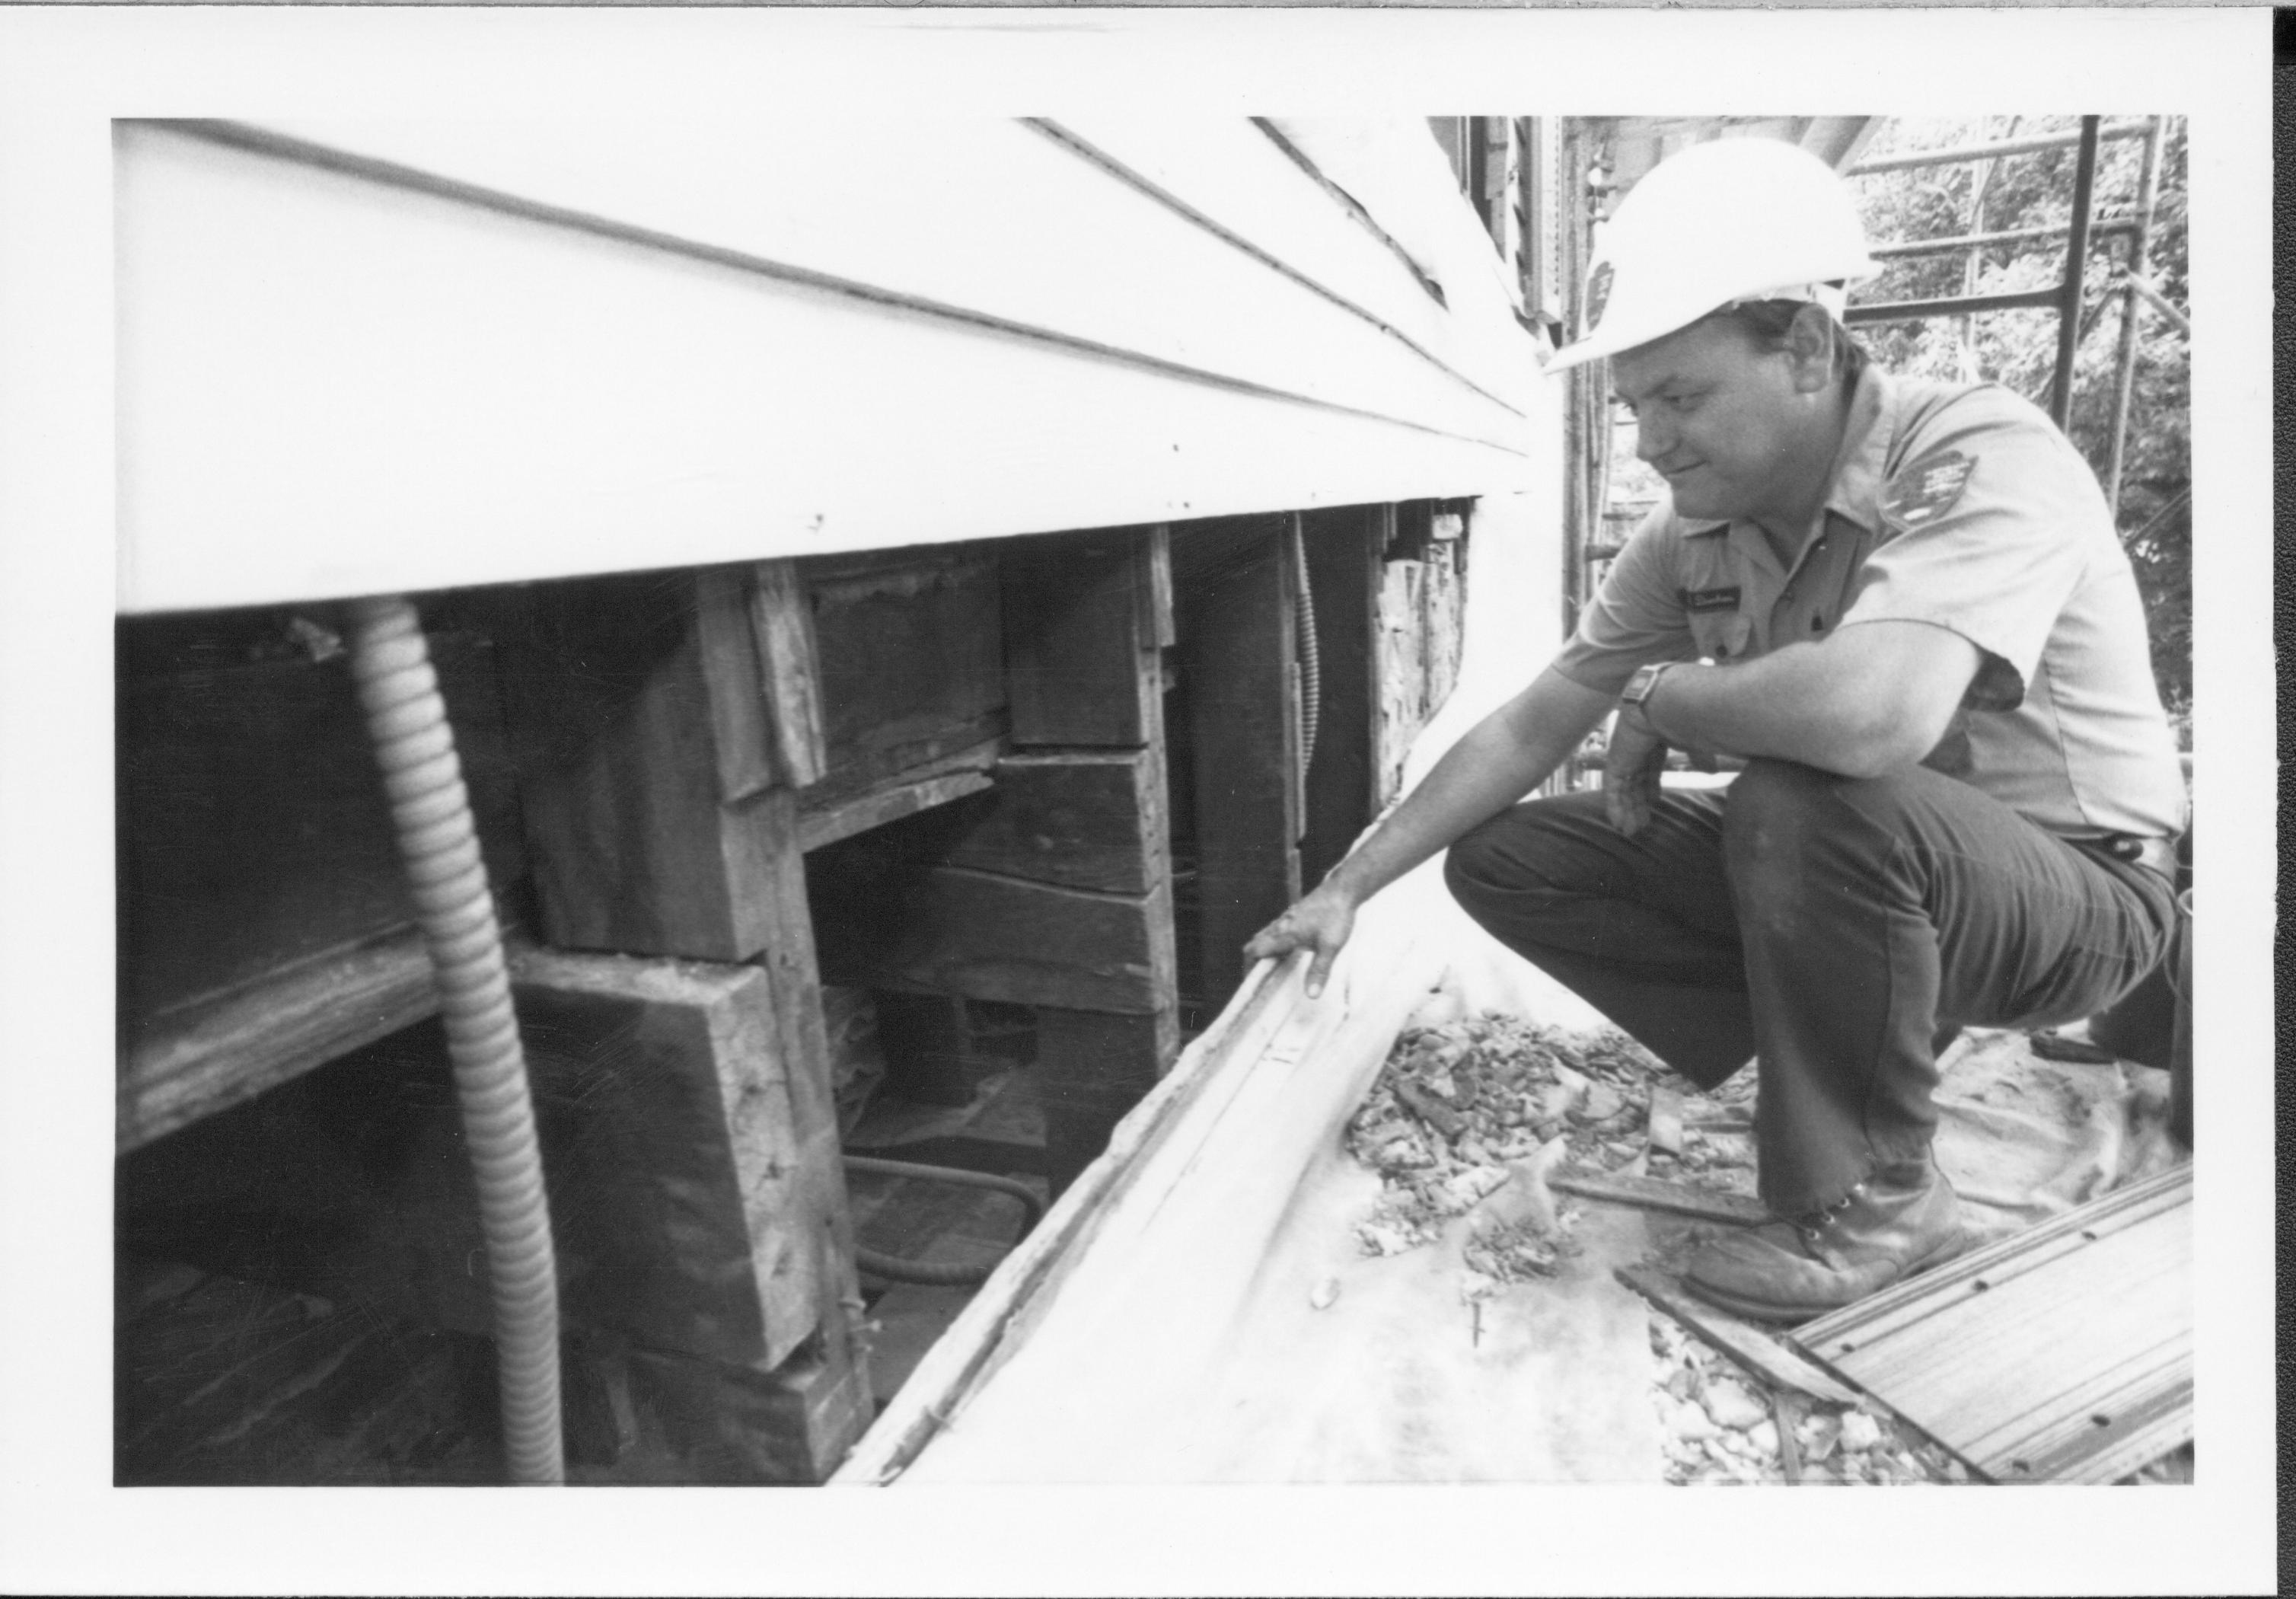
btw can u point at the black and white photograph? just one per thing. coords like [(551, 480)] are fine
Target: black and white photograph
[(1325, 801)]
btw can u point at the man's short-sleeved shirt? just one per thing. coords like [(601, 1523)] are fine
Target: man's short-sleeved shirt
[(1958, 505)]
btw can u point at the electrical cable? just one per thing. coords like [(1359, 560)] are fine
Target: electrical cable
[(439, 847), (928, 1273)]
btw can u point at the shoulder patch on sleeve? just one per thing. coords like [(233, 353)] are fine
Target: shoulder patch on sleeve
[(1927, 489)]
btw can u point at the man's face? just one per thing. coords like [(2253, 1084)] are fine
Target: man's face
[(1723, 421)]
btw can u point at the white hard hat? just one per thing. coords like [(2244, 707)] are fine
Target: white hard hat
[(1723, 221)]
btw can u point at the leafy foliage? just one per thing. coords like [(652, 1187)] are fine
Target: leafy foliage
[(2018, 348)]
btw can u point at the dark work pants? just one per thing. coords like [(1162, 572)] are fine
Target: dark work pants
[(1836, 928)]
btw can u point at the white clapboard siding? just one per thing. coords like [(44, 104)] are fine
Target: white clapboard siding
[(1249, 186), (333, 382)]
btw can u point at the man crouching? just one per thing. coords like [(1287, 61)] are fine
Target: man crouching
[(1903, 604)]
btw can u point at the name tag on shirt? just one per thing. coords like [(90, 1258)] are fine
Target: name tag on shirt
[(1697, 599)]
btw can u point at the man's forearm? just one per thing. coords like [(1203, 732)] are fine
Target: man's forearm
[(1873, 698), (1499, 761)]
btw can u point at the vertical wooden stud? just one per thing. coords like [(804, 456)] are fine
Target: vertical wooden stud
[(1238, 654)]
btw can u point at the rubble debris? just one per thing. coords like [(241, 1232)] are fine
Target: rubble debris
[(1721, 1424), (1461, 1105)]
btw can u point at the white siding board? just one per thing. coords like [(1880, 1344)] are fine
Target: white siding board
[(1237, 177), (988, 215), (330, 386)]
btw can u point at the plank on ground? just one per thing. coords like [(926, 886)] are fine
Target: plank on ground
[(1748, 1345), (2062, 1354)]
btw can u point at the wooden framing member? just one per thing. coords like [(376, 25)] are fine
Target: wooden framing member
[(1343, 549), (655, 812), (1081, 811), (696, 1176), (1236, 592)]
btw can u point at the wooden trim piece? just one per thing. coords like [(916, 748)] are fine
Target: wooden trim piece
[(790, 668), (741, 740), (194, 1062)]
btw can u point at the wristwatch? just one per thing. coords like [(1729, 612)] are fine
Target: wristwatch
[(1645, 679)]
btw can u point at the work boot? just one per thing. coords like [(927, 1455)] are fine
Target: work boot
[(1896, 1222)]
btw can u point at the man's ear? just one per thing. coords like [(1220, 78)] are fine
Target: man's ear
[(1809, 344)]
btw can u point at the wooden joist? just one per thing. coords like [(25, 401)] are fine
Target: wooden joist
[(1081, 819), (2063, 1354), (955, 930), (191, 1063), (826, 814)]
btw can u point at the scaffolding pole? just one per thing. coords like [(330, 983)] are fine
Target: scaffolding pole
[(2124, 381), (1978, 152), (2069, 317)]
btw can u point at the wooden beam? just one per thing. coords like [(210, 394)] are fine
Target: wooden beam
[(1084, 614), (624, 693), (1343, 576), (1088, 819), (192, 1062), (699, 1184), (728, 1425), (955, 931), (911, 663), (946, 781), (1236, 657)]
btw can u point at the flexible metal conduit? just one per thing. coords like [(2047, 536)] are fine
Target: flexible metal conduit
[(438, 845), (933, 1274), (1311, 654)]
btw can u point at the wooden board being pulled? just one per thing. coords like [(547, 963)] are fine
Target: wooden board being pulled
[(1198, 1308), (2063, 1354)]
